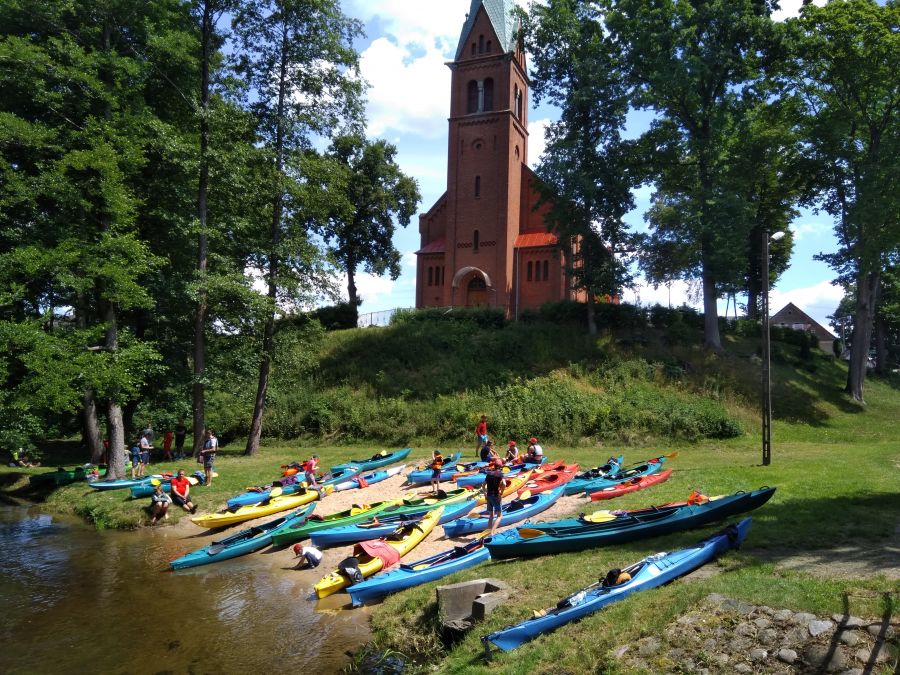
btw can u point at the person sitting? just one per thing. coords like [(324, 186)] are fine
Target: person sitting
[(181, 492), (437, 465), (159, 503), (512, 452), (20, 459), (535, 453)]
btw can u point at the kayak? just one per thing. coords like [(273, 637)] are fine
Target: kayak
[(614, 527), (580, 481), (369, 557), (387, 521), (243, 542), (647, 468), (63, 476), (422, 571), (366, 479), (422, 474), (256, 495), (631, 485), (652, 571), (301, 530), (541, 482), (121, 484), (514, 484), (512, 512), (376, 461), (267, 508), (146, 488), (476, 478)]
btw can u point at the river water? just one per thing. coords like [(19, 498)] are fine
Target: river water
[(66, 610)]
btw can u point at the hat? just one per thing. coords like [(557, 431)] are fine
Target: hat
[(297, 548), (512, 444), (532, 440)]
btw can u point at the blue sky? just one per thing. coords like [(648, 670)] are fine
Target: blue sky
[(402, 57)]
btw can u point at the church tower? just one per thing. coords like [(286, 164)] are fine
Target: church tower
[(482, 243)]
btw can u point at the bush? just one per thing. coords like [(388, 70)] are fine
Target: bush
[(338, 317), (484, 317), (837, 347)]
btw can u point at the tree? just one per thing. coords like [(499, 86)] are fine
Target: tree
[(846, 56), (689, 62), (372, 192), (586, 168), (297, 57)]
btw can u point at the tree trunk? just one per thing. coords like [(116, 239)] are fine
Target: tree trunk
[(881, 352), (90, 427), (866, 286), (116, 464), (128, 411), (591, 314), (711, 337), (351, 284), (198, 393), (277, 207)]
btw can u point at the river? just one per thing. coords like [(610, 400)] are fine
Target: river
[(67, 610)]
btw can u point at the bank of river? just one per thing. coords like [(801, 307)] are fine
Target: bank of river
[(66, 610)]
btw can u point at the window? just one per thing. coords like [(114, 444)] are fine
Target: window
[(488, 94), (488, 48), (546, 270), (528, 276), (475, 240), (477, 186), (518, 104), (481, 44), (430, 276), (473, 49), (472, 98), (442, 275)]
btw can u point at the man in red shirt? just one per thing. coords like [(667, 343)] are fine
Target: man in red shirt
[(481, 434), (181, 489)]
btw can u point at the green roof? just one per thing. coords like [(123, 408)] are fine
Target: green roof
[(500, 12)]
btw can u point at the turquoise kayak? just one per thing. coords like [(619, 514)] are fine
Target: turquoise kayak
[(375, 461), (243, 542), (513, 512), (585, 478)]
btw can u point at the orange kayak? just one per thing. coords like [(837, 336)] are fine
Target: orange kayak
[(541, 482), (631, 485)]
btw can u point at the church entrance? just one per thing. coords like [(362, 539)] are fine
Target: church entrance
[(476, 293)]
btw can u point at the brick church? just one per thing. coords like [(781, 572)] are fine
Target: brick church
[(483, 243)]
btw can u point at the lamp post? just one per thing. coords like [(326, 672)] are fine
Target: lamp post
[(767, 351)]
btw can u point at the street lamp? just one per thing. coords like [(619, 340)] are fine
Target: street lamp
[(767, 351)]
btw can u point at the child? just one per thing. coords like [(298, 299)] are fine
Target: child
[(309, 467), (159, 503), (437, 465)]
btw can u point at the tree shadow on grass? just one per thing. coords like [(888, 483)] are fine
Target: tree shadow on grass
[(792, 401)]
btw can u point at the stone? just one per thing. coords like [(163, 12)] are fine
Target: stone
[(758, 654), (716, 599), (817, 656), (787, 655), (816, 628), (849, 621), (762, 623), (763, 609), (720, 659), (768, 636), (796, 636), (803, 618), (783, 616), (743, 668), (738, 606), (849, 637), (876, 628), (648, 645), (745, 629), (676, 654), (852, 671), (621, 651), (881, 651)]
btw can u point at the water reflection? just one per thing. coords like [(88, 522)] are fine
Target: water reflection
[(79, 600)]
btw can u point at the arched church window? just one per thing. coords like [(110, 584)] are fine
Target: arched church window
[(528, 276), (473, 49), (430, 276), (477, 186), (481, 44), (472, 98), (546, 270), (476, 240), (488, 48), (488, 94), (518, 104)]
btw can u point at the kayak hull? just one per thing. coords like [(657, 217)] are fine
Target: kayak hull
[(301, 530), (648, 573), (245, 513), (423, 476), (512, 512), (373, 462), (255, 497), (364, 479), (581, 480)]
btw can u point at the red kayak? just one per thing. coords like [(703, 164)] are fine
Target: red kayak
[(541, 482), (631, 485)]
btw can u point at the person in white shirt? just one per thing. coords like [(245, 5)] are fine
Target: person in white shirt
[(535, 453)]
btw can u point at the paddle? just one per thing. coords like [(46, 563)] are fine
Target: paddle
[(599, 517), (274, 492), (525, 494)]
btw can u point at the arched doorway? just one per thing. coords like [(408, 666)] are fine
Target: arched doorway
[(476, 293)]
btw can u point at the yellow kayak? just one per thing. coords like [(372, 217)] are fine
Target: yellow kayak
[(265, 508), (514, 484), (403, 540)]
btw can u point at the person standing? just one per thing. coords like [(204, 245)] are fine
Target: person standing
[(146, 449), (159, 503), (309, 467), (180, 434), (149, 433), (437, 465), (494, 482), (168, 437), (481, 433), (136, 464), (181, 492), (208, 454)]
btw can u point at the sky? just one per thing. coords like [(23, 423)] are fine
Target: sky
[(403, 57)]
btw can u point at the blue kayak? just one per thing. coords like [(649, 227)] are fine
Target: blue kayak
[(146, 488), (243, 542), (647, 468), (419, 572), (474, 480), (513, 512), (652, 571), (365, 479), (583, 479), (351, 534), (256, 496), (421, 476), (124, 483), (374, 462)]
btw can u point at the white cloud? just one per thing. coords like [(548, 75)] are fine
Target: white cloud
[(676, 294), (818, 301), (536, 140), (801, 230), (791, 8)]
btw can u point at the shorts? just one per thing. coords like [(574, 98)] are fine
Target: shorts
[(135, 458), (145, 457), (436, 473), (494, 503), (178, 499), (483, 438), (209, 461)]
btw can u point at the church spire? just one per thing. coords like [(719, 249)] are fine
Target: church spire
[(503, 21)]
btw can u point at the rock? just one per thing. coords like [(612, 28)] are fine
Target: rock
[(738, 606), (716, 599), (762, 623), (745, 629), (796, 636), (758, 654), (803, 618), (743, 668), (849, 621), (816, 628), (817, 656), (620, 652), (721, 659), (768, 636), (787, 655), (676, 654), (710, 645), (881, 651), (783, 616), (763, 609), (852, 671), (648, 645), (849, 637), (876, 628)]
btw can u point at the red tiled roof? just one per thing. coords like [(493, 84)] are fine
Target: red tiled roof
[(533, 239), (437, 246)]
